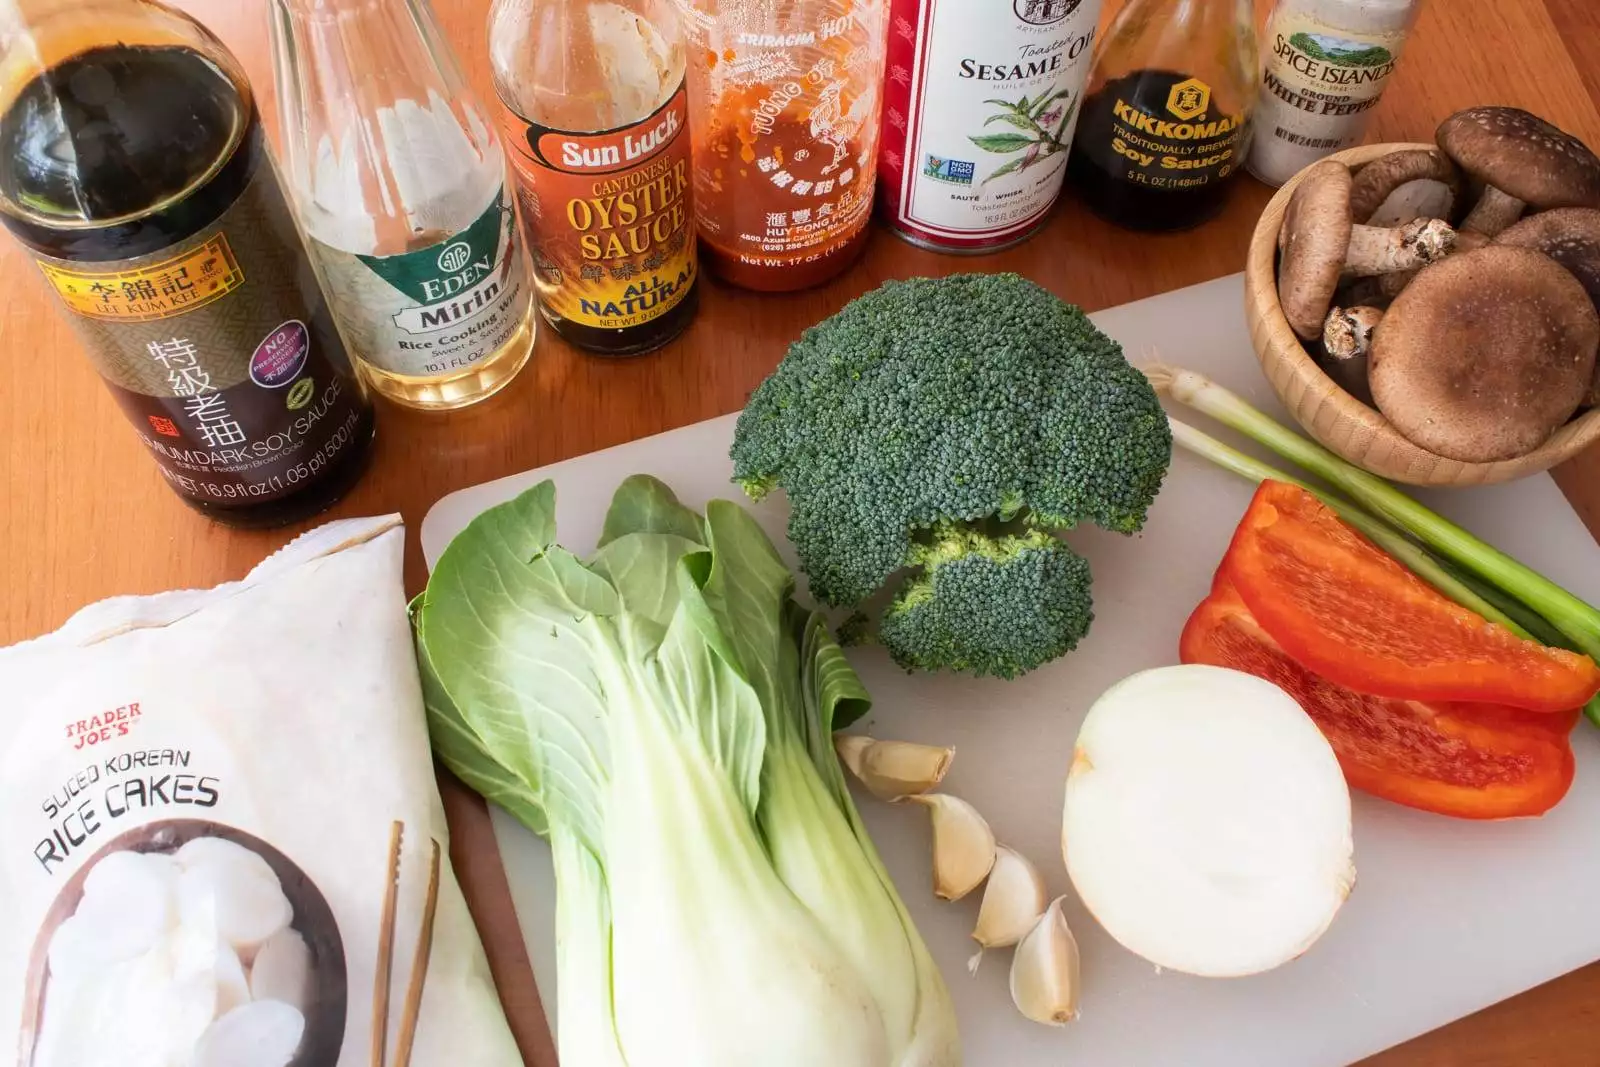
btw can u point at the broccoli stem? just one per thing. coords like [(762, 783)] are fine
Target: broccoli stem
[(1577, 620), (1402, 548)]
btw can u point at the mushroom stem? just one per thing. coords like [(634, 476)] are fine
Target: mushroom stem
[(1347, 335), (1494, 211), (1346, 342), (1374, 250)]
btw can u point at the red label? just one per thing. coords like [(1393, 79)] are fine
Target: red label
[(611, 150), (103, 726)]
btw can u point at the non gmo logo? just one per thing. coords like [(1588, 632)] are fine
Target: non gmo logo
[(1043, 12), (455, 256)]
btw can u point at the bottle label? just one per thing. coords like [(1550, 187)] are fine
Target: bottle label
[(1166, 134), (433, 311), (150, 291), (608, 216), (1319, 88), (221, 353), (980, 105)]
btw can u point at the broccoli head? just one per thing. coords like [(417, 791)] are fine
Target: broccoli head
[(989, 605), (955, 426)]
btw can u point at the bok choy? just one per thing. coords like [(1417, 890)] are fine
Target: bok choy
[(663, 712)]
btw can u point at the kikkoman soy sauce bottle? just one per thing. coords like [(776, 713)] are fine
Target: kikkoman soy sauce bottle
[(134, 171), (1166, 123)]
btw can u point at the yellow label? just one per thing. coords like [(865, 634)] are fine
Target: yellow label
[(1189, 99), (151, 291)]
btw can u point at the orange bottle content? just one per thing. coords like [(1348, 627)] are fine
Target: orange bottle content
[(785, 129), (751, 247), (596, 115)]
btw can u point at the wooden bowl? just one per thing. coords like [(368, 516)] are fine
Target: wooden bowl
[(1341, 422)]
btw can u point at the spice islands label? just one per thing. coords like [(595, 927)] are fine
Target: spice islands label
[(1320, 81), (608, 216)]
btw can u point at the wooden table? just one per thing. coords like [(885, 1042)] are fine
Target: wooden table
[(87, 516)]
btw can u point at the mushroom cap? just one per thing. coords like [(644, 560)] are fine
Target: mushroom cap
[(1315, 236), (1571, 237), (1523, 156), (1485, 354), (1568, 235), (1375, 182)]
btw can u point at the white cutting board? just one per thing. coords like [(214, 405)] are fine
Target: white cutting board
[(1447, 917)]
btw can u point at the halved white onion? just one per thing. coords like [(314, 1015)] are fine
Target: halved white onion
[(1207, 822)]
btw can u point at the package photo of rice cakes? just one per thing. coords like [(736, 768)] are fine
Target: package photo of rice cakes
[(221, 838)]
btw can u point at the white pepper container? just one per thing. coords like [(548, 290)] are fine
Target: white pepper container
[(1326, 65)]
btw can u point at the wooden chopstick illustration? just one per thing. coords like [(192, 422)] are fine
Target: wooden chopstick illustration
[(380, 984), (412, 1008)]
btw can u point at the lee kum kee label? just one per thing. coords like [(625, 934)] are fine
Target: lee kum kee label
[(608, 215), (240, 391)]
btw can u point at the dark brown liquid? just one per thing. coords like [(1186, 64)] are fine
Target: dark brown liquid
[(1113, 186), (122, 151)]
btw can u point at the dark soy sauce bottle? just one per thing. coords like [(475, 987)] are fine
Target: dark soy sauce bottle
[(134, 171), (1166, 122)]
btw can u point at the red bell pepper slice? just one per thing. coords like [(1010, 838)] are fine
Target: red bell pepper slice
[(1471, 761), (1341, 607)]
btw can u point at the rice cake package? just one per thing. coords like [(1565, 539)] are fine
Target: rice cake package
[(221, 840)]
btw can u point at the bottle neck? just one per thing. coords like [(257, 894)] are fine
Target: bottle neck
[(124, 127), (386, 147)]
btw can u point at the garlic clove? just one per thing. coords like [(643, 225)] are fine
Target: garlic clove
[(851, 748), (1012, 903), (963, 845), (1044, 970), (891, 770)]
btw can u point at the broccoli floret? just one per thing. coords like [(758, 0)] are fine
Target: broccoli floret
[(989, 606), (933, 405)]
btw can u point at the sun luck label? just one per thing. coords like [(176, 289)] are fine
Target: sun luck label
[(608, 216)]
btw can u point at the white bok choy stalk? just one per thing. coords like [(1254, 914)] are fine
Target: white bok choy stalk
[(663, 712)]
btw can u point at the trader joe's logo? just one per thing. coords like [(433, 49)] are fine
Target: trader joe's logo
[(1044, 12)]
